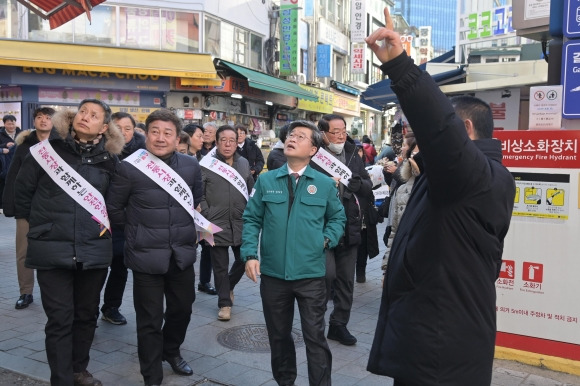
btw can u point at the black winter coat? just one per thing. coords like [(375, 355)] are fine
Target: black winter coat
[(253, 154), (276, 158), (352, 208), (24, 141), (62, 233), (437, 320), (6, 159), (157, 227), (136, 143)]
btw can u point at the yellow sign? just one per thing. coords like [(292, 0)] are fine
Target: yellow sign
[(325, 101), (139, 113), (346, 105)]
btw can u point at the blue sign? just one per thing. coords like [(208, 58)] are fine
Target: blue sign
[(309, 8), (571, 79), (324, 60), (572, 18)]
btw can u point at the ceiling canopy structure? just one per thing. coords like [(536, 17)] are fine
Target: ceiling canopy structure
[(59, 12)]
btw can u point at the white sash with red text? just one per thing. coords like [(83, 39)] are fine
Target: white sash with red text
[(175, 186), (79, 189), (225, 171), (332, 165)]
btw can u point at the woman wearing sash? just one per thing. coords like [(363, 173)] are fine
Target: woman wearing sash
[(68, 247)]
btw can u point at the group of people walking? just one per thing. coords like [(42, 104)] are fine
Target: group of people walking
[(91, 193)]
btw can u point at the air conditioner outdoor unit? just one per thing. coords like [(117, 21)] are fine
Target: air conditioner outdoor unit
[(314, 84)]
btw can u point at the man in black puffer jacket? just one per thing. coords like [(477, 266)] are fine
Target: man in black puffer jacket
[(341, 260), (160, 244), (69, 249), (250, 151)]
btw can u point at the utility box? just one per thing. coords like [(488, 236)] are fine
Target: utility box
[(531, 19)]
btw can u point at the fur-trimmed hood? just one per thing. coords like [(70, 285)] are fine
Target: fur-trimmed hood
[(114, 140)]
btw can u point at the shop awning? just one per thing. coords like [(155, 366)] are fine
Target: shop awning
[(59, 12), (106, 59), (381, 93), (265, 82)]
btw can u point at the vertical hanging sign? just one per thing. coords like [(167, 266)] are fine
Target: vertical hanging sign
[(358, 33), (289, 37), (358, 21)]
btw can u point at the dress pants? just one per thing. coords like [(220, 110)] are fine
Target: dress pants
[(362, 253), (205, 263), (226, 281), (71, 302), (25, 275), (340, 267), (118, 274), (157, 340), (278, 298)]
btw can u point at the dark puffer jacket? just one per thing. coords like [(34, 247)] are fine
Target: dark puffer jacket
[(62, 233), (136, 143), (24, 141), (223, 204), (157, 227), (350, 200), (437, 320)]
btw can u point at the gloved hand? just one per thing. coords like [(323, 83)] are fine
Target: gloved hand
[(354, 184)]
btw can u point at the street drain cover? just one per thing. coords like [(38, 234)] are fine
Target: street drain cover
[(251, 338)]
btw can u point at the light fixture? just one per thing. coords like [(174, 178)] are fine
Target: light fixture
[(269, 103), (237, 96)]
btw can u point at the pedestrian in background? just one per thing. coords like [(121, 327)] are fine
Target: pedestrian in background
[(437, 320), (69, 249), (227, 180), (250, 151), (117, 280), (24, 141), (276, 158), (298, 214)]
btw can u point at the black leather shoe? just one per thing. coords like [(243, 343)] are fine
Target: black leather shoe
[(179, 365), (341, 334), (24, 301), (207, 288)]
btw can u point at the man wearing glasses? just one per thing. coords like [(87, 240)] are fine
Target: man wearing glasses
[(299, 215), (226, 180), (341, 260)]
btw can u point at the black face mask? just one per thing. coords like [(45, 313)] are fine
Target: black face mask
[(418, 158)]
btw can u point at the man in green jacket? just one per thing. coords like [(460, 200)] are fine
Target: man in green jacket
[(298, 211)]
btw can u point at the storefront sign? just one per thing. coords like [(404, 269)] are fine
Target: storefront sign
[(346, 105), (288, 37), (358, 21), (10, 94), (571, 79), (571, 18), (75, 96), (357, 58), (546, 107), (325, 104), (241, 86), (540, 149), (495, 24), (139, 113), (505, 107), (51, 77), (324, 60)]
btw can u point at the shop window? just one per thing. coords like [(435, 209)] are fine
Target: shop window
[(322, 8), (338, 68), (256, 52), (101, 31), (241, 46), (212, 36), (227, 42), (180, 31), (139, 28)]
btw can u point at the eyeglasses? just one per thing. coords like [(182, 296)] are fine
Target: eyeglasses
[(297, 137), (338, 133), (226, 141)]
